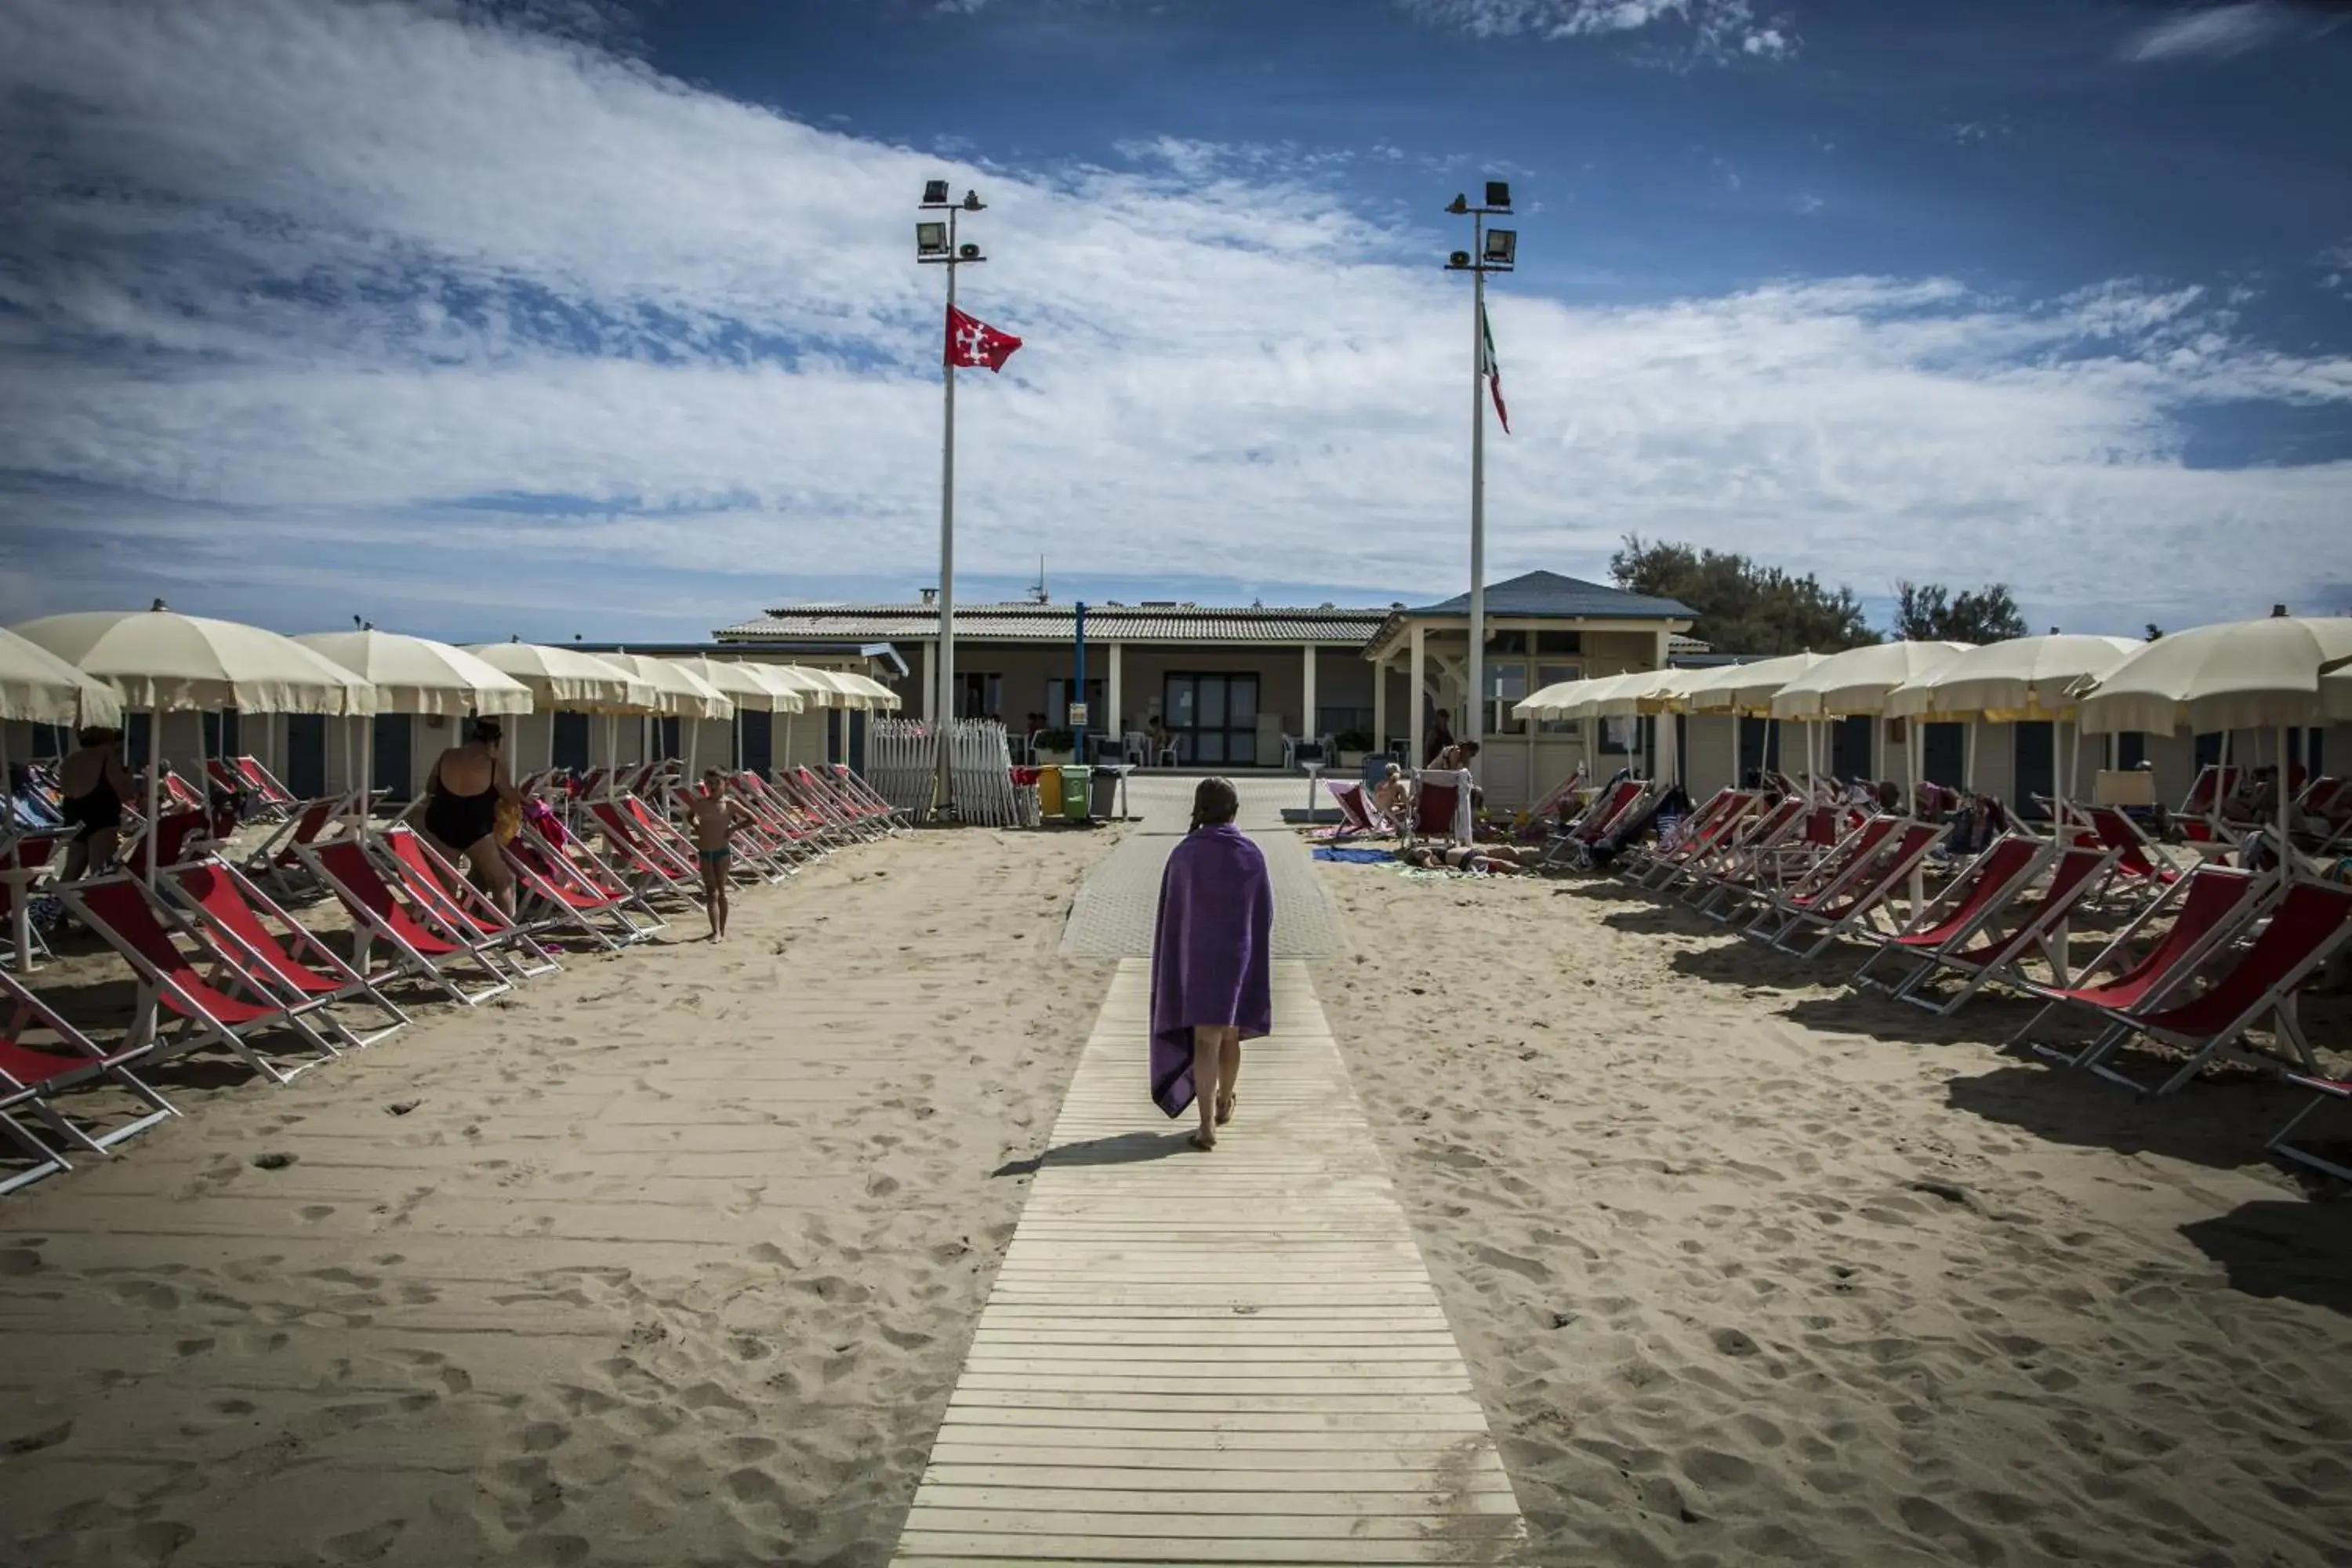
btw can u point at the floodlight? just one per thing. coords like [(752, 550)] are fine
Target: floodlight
[(931, 240), (1502, 244), (1458, 260), (1459, 204), (1498, 194), (971, 201), (935, 193), (968, 251)]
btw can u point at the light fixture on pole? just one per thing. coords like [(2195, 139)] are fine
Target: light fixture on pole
[(1491, 250), (936, 243)]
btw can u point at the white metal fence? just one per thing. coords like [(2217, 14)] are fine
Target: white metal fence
[(902, 761)]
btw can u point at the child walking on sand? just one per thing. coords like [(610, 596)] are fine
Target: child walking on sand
[(713, 815)]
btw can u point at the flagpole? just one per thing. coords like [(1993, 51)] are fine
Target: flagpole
[(943, 700), (1475, 731), (1491, 250)]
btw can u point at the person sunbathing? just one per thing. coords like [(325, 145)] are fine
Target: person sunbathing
[(1477, 859), (1392, 796)]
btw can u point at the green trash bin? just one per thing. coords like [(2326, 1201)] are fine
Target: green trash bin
[(1077, 793)]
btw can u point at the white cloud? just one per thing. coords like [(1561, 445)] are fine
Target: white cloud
[(2215, 31), (1719, 29), (295, 284)]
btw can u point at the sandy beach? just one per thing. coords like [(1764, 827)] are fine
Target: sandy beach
[(1748, 1269), (672, 1259)]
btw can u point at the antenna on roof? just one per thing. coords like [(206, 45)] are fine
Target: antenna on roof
[(1037, 593)]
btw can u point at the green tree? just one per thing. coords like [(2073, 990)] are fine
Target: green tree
[(2154, 631), (1742, 607), (1929, 612)]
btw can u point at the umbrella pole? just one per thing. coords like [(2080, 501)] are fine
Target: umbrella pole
[(20, 914), (154, 786), (1968, 760), (2283, 791)]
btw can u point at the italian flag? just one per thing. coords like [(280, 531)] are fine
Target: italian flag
[(1494, 371)]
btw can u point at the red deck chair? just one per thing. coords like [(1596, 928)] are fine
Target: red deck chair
[(645, 863), (263, 783), (457, 908), (238, 915), (1440, 806), (1992, 880), (378, 914), (31, 1080), (1711, 827), (825, 785), (1355, 815), (170, 838), (2214, 904), (822, 803), (1824, 876), (868, 798), (1594, 821), (279, 857), (787, 842), (2213, 784), (573, 899), (1740, 858), (2304, 930), (1843, 908), (2022, 923), (228, 1013), (2136, 865)]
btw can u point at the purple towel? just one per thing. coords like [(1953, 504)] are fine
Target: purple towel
[(1210, 953)]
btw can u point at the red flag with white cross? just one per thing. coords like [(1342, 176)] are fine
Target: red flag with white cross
[(971, 341)]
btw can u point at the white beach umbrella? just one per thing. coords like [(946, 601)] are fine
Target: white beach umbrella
[(564, 679), (747, 685), (863, 690), (165, 662), (2022, 680), (2282, 672), (1746, 689), (677, 690), (1554, 702), (1859, 680), (417, 675), (834, 683), (37, 686)]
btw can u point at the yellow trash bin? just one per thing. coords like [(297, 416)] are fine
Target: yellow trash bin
[(1049, 793)]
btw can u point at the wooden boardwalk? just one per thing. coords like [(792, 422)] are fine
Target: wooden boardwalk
[(1228, 1358)]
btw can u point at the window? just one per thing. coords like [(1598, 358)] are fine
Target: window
[(1553, 675), (982, 694), (1571, 642), (1506, 684), (1506, 642), (2131, 748)]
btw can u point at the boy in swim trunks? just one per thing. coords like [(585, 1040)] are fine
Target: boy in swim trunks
[(713, 815)]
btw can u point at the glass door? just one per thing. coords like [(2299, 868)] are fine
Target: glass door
[(1214, 719)]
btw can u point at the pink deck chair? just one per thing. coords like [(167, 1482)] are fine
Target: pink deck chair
[(2214, 903), (645, 862), (1990, 951), (1355, 809), (806, 839), (380, 915), (228, 1013), (32, 1080), (2305, 929), (238, 915)]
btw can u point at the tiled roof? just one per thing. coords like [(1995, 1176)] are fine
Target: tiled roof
[(1549, 595), (1058, 624)]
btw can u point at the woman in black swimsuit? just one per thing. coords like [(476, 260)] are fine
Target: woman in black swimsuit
[(95, 783), (461, 808)]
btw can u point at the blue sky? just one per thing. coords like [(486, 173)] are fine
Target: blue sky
[(557, 316)]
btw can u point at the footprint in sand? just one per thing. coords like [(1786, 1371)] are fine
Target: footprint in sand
[(363, 1545)]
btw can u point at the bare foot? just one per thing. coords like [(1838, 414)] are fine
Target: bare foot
[(1204, 1141), (1225, 1108)]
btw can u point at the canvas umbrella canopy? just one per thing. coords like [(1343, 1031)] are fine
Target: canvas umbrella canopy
[(165, 662), (2023, 680), (1746, 689), (417, 675), (1858, 680), (2280, 673), (863, 690), (566, 680), (747, 688), (1556, 701), (677, 690), (37, 686), (835, 685)]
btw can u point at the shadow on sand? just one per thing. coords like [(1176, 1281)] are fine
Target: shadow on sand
[(2281, 1248), (2220, 1122), (1120, 1149)]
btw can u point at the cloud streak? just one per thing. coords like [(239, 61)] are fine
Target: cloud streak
[(2222, 31), (316, 300), (1719, 29)]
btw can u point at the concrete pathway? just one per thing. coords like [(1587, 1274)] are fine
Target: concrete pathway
[(1224, 1358)]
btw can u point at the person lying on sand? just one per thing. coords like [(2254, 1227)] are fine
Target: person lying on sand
[(713, 817), (1475, 858)]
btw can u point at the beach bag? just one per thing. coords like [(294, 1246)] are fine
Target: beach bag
[(507, 821)]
